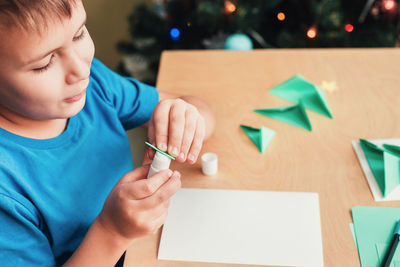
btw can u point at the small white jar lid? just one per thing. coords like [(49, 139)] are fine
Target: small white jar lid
[(209, 163)]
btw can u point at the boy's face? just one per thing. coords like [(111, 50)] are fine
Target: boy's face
[(44, 76)]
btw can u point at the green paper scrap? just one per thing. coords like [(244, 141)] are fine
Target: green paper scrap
[(384, 164), (261, 137), (295, 115), (298, 89), (162, 152), (374, 226), (381, 251)]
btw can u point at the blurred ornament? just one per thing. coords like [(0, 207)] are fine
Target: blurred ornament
[(238, 41), (348, 27), (389, 5), (281, 16), (229, 7), (312, 33), (374, 11), (175, 33)]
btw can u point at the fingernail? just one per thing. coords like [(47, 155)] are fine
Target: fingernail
[(163, 147), (170, 173), (174, 152), (182, 156), (177, 174), (191, 157)]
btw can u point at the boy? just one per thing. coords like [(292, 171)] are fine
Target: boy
[(68, 195)]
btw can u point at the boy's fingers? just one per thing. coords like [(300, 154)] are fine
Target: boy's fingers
[(135, 175), (176, 127), (188, 135), (147, 187), (164, 193), (161, 125), (197, 142), (157, 223)]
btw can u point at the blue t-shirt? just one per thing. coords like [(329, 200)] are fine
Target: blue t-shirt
[(52, 190)]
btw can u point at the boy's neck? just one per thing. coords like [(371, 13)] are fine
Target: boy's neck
[(35, 129)]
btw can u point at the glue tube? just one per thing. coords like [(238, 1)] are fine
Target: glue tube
[(160, 162)]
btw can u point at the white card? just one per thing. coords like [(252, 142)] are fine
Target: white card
[(243, 227), (373, 185)]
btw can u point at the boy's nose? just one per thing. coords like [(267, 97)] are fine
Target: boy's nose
[(78, 69)]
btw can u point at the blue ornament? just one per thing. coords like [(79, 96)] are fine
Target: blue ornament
[(238, 41), (175, 33)]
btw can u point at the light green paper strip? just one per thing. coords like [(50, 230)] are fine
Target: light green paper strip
[(384, 164), (294, 115), (373, 225), (298, 89), (261, 137), (162, 152)]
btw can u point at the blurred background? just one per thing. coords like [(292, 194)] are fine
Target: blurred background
[(131, 34)]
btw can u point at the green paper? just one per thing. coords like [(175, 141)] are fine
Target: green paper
[(384, 164), (261, 137), (298, 89), (381, 249), (374, 226), (395, 150), (162, 152), (295, 115)]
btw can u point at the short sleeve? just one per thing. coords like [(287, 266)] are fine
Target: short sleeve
[(22, 243), (133, 101)]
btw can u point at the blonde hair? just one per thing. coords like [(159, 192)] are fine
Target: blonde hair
[(33, 14)]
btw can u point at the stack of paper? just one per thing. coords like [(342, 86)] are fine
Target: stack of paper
[(305, 95), (243, 227), (373, 229), (380, 161)]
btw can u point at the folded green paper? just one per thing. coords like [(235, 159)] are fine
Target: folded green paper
[(295, 115), (261, 137), (384, 164), (298, 89)]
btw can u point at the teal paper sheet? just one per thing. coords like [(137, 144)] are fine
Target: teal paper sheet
[(374, 227)]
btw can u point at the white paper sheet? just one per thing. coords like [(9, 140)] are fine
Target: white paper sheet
[(243, 227), (373, 185)]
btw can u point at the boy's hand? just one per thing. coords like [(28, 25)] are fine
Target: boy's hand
[(177, 127), (138, 206)]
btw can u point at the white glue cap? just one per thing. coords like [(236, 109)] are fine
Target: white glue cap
[(160, 161), (209, 163)]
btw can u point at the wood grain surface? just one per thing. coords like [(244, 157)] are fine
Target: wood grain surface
[(366, 105)]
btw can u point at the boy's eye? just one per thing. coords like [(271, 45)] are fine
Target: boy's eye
[(80, 36), (44, 68)]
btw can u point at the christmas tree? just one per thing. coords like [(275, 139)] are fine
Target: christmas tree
[(240, 25)]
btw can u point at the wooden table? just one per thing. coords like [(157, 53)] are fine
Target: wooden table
[(366, 105)]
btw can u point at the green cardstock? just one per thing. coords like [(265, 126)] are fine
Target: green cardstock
[(298, 89), (261, 137), (162, 152), (384, 164), (381, 251), (295, 115), (374, 226)]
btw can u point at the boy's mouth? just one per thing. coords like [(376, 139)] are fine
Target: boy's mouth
[(75, 97), (78, 96)]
